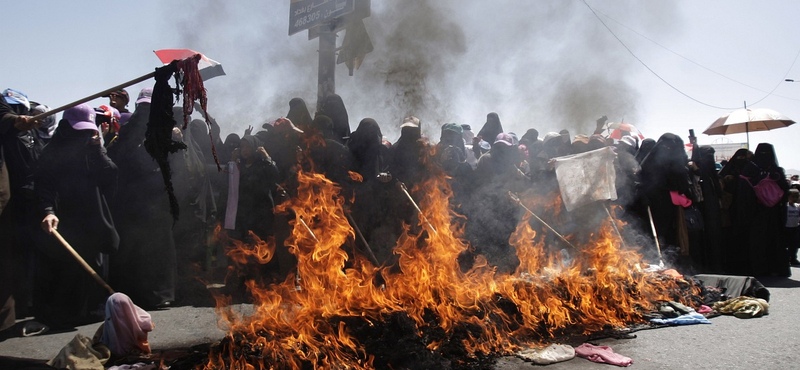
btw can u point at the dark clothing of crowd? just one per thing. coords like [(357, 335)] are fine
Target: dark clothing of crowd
[(112, 204)]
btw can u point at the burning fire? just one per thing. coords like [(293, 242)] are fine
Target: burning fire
[(311, 318)]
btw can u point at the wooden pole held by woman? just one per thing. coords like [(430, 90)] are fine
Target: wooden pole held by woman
[(82, 262)]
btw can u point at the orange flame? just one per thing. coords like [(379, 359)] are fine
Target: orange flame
[(295, 322), (355, 176)]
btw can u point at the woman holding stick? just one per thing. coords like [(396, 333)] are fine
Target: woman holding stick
[(72, 180)]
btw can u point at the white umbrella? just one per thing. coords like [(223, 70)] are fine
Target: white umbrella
[(747, 120)]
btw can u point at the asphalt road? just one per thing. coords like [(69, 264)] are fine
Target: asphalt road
[(770, 342)]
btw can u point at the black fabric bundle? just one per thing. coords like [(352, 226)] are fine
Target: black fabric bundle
[(158, 138)]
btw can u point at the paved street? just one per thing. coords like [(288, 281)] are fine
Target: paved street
[(770, 342)]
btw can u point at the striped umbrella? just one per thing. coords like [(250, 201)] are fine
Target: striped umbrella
[(616, 130)]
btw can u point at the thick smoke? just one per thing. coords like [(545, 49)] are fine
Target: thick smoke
[(543, 65), (417, 44)]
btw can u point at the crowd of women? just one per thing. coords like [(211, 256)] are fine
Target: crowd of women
[(89, 177)]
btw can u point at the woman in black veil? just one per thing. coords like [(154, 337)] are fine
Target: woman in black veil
[(491, 128), (664, 171), (335, 109), (710, 257), (370, 159), (757, 223), (298, 113)]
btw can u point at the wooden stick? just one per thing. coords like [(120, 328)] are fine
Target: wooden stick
[(614, 223), (303, 222), (655, 235), (519, 201), (419, 211), (363, 240), (83, 262), (92, 97)]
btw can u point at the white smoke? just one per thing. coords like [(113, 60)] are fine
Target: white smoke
[(543, 65)]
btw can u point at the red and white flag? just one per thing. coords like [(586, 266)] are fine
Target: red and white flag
[(209, 68)]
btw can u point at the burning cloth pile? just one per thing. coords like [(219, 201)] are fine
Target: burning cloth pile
[(341, 311)]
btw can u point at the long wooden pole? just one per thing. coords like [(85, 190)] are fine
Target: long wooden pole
[(366, 248), (83, 262), (655, 236), (614, 224), (419, 211), (94, 96), (515, 198)]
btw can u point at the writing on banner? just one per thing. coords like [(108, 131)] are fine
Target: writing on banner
[(304, 14)]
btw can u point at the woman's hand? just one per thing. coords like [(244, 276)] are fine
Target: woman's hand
[(95, 139), (50, 223), (262, 153), (235, 155)]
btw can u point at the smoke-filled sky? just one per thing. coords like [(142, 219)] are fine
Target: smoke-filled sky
[(547, 65)]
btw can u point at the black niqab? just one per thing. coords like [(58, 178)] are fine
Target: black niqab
[(491, 128), (325, 126), (665, 166), (531, 136), (299, 114), (764, 156), (366, 147), (736, 163), (335, 109), (644, 149)]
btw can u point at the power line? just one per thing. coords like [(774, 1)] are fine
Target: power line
[(689, 60), (782, 80), (664, 80)]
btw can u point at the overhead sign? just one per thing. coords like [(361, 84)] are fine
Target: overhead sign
[(362, 10), (304, 14)]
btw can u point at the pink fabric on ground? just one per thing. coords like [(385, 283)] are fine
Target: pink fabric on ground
[(704, 309), (602, 354), (126, 326)]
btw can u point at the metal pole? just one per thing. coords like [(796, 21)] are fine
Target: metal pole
[(747, 132), (747, 125), (326, 80)]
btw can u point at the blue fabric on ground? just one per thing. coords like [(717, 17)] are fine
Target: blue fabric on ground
[(687, 319)]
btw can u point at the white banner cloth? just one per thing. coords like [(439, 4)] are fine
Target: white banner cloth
[(586, 177)]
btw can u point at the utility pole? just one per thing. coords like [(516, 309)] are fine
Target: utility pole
[(326, 78), (323, 19)]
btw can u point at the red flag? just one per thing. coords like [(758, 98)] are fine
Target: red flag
[(209, 68)]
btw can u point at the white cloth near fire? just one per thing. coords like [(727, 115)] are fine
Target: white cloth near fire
[(233, 196), (548, 355), (586, 177)]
